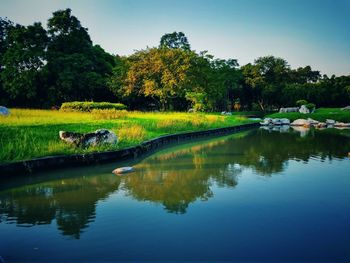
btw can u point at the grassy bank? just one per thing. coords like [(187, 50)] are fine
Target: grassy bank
[(26, 134), (320, 114)]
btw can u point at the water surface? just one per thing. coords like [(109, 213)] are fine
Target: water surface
[(256, 195)]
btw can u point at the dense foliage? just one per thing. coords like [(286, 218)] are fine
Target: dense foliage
[(42, 68)]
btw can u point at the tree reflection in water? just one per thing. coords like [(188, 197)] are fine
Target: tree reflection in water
[(175, 177)]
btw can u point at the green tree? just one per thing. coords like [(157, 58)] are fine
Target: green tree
[(77, 69), (5, 25), (160, 74), (23, 63), (174, 40)]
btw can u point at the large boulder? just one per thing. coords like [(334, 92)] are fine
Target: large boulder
[(303, 109), (300, 122), (285, 121), (96, 138), (4, 111)]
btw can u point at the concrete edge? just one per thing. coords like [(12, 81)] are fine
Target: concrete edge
[(64, 161)]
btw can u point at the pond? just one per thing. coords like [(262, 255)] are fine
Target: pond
[(256, 195)]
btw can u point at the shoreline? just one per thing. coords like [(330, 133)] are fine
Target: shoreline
[(22, 168)]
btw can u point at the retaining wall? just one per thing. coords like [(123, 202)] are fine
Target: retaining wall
[(64, 161)]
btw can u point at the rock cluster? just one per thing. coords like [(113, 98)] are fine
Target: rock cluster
[(99, 137), (307, 123), (274, 122), (4, 111)]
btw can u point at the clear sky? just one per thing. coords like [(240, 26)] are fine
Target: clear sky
[(304, 32)]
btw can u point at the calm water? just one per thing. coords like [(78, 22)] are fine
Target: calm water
[(257, 195)]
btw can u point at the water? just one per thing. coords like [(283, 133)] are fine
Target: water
[(257, 195)]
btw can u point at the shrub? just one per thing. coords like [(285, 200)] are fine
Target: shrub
[(90, 105), (310, 106), (108, 114), (301, 102)]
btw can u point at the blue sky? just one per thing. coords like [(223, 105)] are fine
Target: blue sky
[(304, 32)]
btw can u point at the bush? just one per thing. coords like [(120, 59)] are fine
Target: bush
[(301, 102), (88, 106), (108, 114), (310, 106)]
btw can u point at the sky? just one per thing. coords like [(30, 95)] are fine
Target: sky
[(304, 32)]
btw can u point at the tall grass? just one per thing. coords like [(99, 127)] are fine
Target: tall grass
[(27, 133)]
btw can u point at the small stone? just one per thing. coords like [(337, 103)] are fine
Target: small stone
[(123, 170), (4, 111)]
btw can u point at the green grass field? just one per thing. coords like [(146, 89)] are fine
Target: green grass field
[(26, 133), (320, 114)]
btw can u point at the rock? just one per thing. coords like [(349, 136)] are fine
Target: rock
[(285, 121), (4, 111), (321, 125), (290, 109), (99, 137), (266, 121), (191, 110), (312, 121), (345, 108), (300, 122), (330, 122), (304, 110), (123, 170), (276, 122), (341, 124)]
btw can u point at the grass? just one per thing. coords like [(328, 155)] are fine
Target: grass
[(320, 114), (27, 133)]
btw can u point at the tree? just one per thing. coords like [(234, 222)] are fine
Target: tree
[(175, 40), (77, 69), (23, 62), (160, 74), (5, 25)]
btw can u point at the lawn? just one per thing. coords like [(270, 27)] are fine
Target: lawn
[(27, 133), (320, 114)]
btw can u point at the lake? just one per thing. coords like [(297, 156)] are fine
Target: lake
[(258, 195)]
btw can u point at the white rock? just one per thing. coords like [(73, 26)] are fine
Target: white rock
[(96, 138), (345, 108), (312, 121), (300, 122), (304, 110), (290, 109), (4, 111), (341, 124), (285, 121), (266, 121), (123, 170), (330, 122)]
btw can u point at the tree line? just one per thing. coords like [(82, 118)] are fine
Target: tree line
[(41, 68)]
